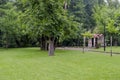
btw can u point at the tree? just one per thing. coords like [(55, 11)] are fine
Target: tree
[(82, 12), (8, 25), (51, 19), (112, 31), (86, 35)]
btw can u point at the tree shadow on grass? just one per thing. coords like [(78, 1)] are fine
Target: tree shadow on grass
[(33, 53), (66, 52)]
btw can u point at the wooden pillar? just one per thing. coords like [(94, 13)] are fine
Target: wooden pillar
[(111, 44), (94, 42), (84, 44), (90, 43)]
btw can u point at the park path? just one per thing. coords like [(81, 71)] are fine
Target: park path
[(85, 49), (75, 48)]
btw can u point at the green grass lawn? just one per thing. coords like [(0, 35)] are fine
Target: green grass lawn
[(33, 64), (108, 49)]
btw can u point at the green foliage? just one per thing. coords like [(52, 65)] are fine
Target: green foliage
[(50, 19), (111, 28), (87, 34), (82, 12), (8, 25), (107, 16), (12, 32), (23, 22)]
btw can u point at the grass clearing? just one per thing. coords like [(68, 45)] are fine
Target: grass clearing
[(33, 64), (108, 49)]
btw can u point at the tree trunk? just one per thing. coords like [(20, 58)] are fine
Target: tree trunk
[(44, 45), (111, 44), (84, 40), (51, 47), (6, 43)]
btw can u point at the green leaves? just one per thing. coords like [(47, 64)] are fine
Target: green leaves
[(111, 28), (87, 34), (105, 16), (50, 17), (8, 25)]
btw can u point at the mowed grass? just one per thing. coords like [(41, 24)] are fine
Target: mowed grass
[(108, 49), (33, 64)]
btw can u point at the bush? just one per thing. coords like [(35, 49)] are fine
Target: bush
[(97, 45)]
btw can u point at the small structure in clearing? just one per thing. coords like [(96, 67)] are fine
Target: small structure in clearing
[(97, 40)]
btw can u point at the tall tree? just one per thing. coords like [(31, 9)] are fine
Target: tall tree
[(8, 24), (50, 18), (107, 15)]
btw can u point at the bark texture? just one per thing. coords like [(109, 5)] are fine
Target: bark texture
[(51, 47)]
